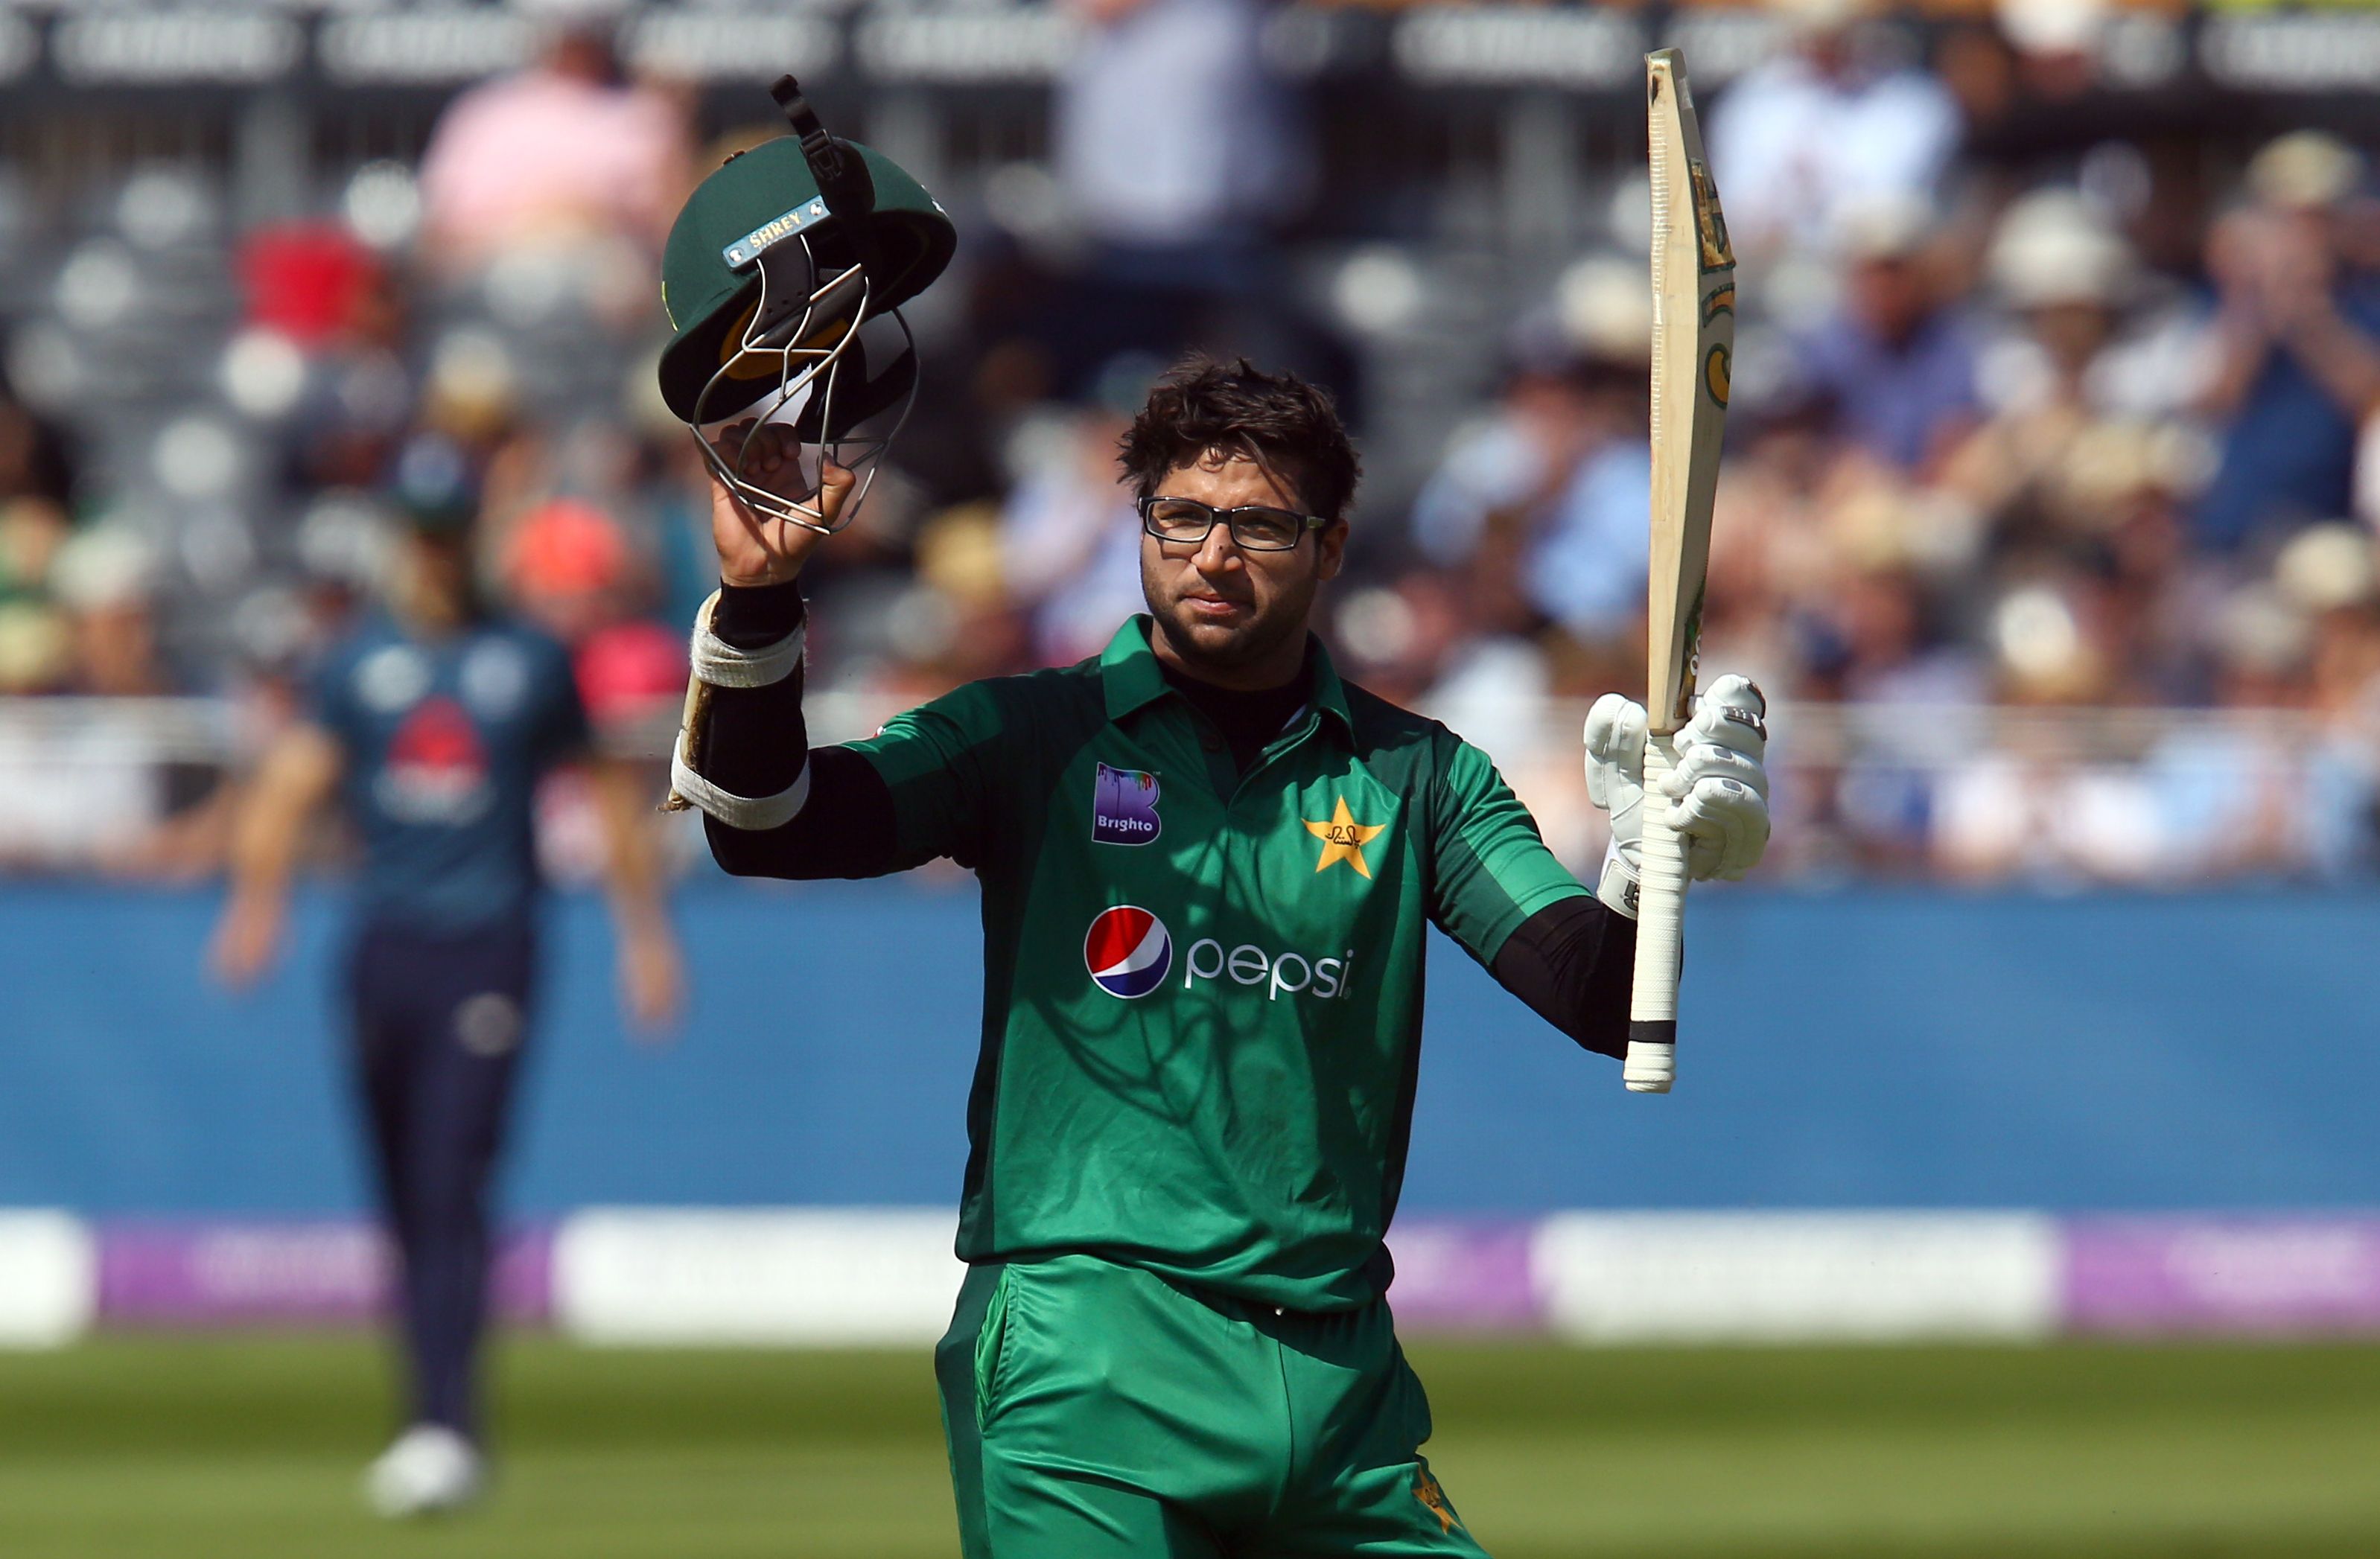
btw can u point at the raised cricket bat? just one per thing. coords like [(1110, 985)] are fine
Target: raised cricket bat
[(1694, 343)]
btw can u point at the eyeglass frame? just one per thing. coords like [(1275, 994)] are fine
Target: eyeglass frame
[(1223, 517)]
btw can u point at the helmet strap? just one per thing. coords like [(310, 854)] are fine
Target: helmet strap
[(842, 175)]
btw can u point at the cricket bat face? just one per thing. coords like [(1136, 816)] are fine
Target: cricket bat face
[(1694, 344)]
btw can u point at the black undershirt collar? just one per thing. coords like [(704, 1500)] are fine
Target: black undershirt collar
[(1250, 720)]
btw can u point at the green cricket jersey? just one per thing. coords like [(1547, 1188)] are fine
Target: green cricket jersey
[(1203, 991)]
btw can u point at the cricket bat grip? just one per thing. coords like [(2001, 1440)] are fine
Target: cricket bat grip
[(1660, 916)]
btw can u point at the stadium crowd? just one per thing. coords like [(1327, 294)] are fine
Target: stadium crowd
[(2048, 514)]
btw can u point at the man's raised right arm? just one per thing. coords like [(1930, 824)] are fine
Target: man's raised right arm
[(772, 807), (754, 748), (773, 804)]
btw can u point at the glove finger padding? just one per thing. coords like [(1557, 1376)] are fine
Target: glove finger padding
[(1615, 749), (1719, 788), (1738, 691), (1707, 760), (1726, 825), (1733, 715)]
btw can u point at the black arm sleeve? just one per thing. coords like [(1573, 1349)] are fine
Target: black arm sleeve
[(756, 746), (1574, 962)]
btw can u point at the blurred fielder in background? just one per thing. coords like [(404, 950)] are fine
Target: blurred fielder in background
[(1208, 867), (432, 724)]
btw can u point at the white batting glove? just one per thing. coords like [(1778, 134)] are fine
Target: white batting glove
[(1615, 781), (1719, 792)]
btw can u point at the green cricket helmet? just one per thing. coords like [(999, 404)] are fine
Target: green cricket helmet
[(774, 273)]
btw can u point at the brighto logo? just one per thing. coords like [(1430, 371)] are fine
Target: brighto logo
[(1129, 953)]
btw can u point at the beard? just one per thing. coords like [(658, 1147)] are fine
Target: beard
[(1226, 648)]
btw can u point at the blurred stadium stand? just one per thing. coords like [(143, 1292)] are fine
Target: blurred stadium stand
[(2057, 797), (2056, 554)]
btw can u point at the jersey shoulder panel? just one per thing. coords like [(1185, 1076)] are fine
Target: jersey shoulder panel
[(999, 711), (1047, 714), (1409, 752), (1389, 732), (1418, 752), (1061, 694), (970, 770), (1489, 868)]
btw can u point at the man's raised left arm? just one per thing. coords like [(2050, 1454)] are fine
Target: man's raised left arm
[(1570, 957)]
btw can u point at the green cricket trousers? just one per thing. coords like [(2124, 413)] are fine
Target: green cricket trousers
[(1098, 1411)]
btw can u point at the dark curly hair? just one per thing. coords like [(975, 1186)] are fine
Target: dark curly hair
[(1287, 425)]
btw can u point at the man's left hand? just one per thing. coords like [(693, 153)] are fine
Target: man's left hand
[(1718, 792)]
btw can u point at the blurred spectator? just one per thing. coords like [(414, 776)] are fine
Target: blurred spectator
[(628, 673), (1541, 506), (1171, 131), (2044, 553), (961, 560), (1834, 122), (2331, 573), (2067, 277), (2055, 43), (103, 579), (312, 282), (36, 645), (572, 568), (322, 352), (32, 531), (1898, 360), (34, 459), (83, 792), (1069, 536), (2079, 461), (2046, 383), (1177, 151), (35, 639), (560, 151), (1396, 637), (566, 565), (2299, 333)]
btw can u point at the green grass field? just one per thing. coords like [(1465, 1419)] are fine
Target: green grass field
[(249, 1449)]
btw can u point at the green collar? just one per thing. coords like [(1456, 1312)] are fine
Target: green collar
[(1130, 677)]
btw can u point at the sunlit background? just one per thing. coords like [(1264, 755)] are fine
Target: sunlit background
[(2048, 524)]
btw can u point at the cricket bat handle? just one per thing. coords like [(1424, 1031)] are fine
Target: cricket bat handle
[(1652, 1062)]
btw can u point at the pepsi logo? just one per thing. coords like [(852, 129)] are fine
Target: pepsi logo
[(1128, 951)]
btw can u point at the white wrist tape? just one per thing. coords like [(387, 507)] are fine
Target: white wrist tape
[(723, 665), (717, 663), (753, 814), (1617, 887)]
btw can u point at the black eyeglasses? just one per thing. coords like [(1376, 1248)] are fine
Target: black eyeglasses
[(1257, 527)]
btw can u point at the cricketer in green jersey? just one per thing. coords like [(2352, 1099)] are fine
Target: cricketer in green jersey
[(1208, 866)]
